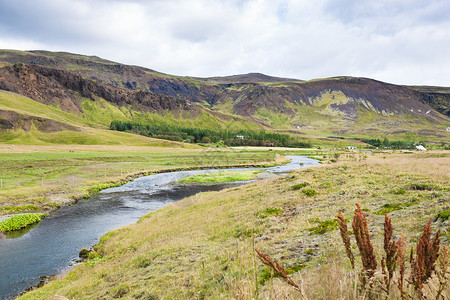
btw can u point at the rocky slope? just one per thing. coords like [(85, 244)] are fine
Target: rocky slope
[(338, 105), (65, 89)]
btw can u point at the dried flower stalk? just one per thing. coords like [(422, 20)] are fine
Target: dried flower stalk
[(345, 238), (389, 262), (277, 269), (442, 271), (401, 251), (423, 265), (362, 236)]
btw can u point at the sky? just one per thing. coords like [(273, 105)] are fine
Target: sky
[(397, 41)]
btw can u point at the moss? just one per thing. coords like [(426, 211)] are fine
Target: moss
[(399, 192), (84, 253), (390, 207), (323, 226), (309, 192), (270, 211), (444, 214), (421, 187), (309, 251), (299, 186), (294, 269)]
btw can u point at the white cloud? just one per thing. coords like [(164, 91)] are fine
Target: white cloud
[(395, 41)]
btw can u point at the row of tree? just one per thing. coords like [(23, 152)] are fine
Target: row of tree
[(203, 135), (387, 144)]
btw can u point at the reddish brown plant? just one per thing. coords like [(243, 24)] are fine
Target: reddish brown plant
[(277, 269), (345, 238), (389, 262), (423, 265), (401, 251), (362, 236), (442, 271)]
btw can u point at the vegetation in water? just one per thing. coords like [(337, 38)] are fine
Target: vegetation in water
[(17, 222), (222, 176)]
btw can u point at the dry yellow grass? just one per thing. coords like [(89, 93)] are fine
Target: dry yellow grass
[(202, 246)]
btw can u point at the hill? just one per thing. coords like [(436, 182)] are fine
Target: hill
[(340, 106)]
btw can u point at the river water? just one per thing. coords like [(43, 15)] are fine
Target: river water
[(51, 246)]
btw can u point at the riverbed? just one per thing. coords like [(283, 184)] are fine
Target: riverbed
[(54, 244)]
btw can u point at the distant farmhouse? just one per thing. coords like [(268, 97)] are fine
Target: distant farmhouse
[(421, 148)]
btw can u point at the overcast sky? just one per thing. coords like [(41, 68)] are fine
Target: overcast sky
[(398, 41)]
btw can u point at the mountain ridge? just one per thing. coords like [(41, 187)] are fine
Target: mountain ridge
[(337, 105)]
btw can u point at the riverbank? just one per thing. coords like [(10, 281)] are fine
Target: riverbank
[(47, 198), (80, 226), (42, 178), (202, 246)]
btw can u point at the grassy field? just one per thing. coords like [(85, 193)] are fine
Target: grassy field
[(43, 177), (202, 247)]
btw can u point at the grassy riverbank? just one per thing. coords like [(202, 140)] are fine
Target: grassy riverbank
[(40, 178), (202, 246)]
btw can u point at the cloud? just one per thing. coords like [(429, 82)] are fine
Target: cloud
[(395, 41)]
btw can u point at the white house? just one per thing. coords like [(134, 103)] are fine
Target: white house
[(421, 148)]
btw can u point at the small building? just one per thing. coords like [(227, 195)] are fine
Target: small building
[(351, 147), (240, 137), (421, 148)]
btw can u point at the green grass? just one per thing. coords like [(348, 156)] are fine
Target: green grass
[(444, 215), (17, 222), (9, 209), (270, 211), (222, 176), (204, 244), (323, 226), (47, 176)]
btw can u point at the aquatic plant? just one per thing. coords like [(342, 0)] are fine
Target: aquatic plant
[(20, 221)]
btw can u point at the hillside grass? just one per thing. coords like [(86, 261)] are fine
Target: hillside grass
[(45, 176), (202, 246)]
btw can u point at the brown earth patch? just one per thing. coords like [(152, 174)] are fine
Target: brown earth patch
[(12, 120)]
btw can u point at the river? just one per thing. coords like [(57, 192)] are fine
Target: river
[(52, 245)]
